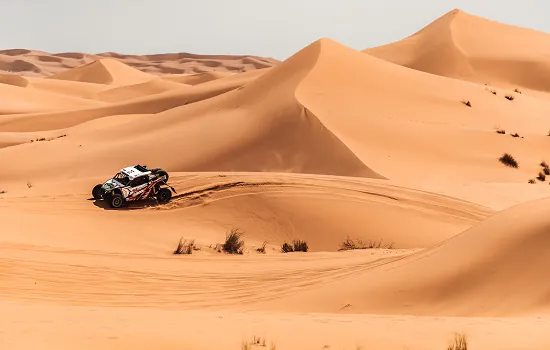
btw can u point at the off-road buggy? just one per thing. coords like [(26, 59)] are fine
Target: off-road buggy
[(134, 183)]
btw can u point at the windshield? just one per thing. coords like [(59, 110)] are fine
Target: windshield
[(123, 179)]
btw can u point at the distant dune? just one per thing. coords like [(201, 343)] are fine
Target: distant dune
[(41, 64), (464, 46)]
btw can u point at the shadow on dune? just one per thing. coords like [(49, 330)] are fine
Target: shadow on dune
[(148, 203)]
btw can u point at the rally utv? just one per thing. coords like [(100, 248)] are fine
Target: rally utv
[(132, 184)]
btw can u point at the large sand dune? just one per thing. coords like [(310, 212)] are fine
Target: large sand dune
[(395, 145), (496, 268), (464, 46)]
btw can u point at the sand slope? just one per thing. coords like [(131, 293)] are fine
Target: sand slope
[(132, 91), (104, 71), (278, 120), (496, 268), (17, 100), (464, 46)]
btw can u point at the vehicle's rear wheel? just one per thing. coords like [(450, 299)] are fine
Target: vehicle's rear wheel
[(96, 192), (164, 195), (116, 201)]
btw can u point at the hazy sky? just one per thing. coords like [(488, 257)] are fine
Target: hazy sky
[(266, 28)]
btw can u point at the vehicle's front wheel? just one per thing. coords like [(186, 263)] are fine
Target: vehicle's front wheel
[(164, 195), (96, 192), (116, 201)]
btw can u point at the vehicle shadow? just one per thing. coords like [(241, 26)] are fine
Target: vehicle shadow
[(138, 205)]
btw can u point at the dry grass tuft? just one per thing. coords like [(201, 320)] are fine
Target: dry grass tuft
[(262, 248), (184, 248), (233, 242), (460, 342), (508, 160), (350, 244), (297, 246)]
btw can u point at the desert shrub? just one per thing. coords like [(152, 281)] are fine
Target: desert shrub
[(517, 90), (262, 248), (233, 242), (508, 160), (546, 171), (300, 246), (514, 134), (460, 342), (509, 97), (501, 131), (350, 244), (541, 177), (467, 103), (532, 181), (297, 246), (184, 248), (286, 248), (493, 92), (544, 164)]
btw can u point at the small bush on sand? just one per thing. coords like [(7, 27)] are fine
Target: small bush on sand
[(460, 342), (532, 181), (517, 90), (509, 97), (467, 103), (262, 248), (501, 131), (233, 242), (350, 244), (514, 134), (508, 160), (184, 248), (541, 176), (546, 171), (493, 92), (256, 342), (297, 246), (544, 164)]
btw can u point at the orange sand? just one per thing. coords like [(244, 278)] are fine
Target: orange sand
[(332, 143)]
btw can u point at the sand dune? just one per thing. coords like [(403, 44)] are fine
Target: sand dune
[(464, 46), (133, 91), (302, 99), (331, 144), (467, 275), (104, 71), (34, 63), (17, 100)]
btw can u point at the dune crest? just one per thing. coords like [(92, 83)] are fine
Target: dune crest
[(464, 46), (104, 71)]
